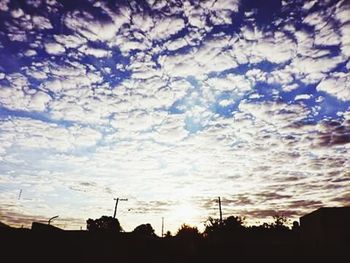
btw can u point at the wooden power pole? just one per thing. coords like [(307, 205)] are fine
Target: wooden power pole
[(220, 211), (162, 226), (116, 204)]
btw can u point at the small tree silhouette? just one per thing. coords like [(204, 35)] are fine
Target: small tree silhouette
[(168, 234), (103, 224), (188, 232), (145, 230)]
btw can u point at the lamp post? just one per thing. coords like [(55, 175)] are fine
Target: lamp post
[(51, 219)]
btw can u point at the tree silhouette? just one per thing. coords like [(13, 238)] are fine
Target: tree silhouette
[(168, 234), (188, 232), (103, 224), (144, 230), (232, 224), (279, 222)]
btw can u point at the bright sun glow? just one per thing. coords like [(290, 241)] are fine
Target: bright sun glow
[(186, 212)]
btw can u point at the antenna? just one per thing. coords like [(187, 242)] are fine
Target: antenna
[(20, 194), (116, 204)]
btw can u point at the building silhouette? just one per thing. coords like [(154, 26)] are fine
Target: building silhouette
[(327, 226)]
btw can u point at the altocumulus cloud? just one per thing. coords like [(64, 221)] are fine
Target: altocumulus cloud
[(171, 103)]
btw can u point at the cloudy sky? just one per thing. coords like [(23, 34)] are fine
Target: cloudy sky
[(171, 104)]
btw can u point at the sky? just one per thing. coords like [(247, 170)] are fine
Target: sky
[(171, 104)]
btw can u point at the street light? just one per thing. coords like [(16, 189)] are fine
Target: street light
[(52, 219)]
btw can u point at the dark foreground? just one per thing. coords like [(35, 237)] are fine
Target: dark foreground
[(24, 245)]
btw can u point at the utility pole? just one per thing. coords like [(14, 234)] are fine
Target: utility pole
[(162, 226), (116, 204), (220, 211)]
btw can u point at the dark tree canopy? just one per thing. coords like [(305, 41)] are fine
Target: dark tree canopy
[(144, 230), (229, 225), (104, 223), (188, 232)]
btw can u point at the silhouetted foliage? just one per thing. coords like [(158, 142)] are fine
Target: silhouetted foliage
[(188, 232), (231, 224), (212, 225), (104, 223), (145, 230), (168, 234), (279, 222), (295, 226)]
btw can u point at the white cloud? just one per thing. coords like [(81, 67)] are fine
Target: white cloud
[(336, 84), (345, 39), (41, 22), (221, 17), (70, 41), (13, 99), (225, 103), (319, 65), (54, 48), (166, 27), (315, 19), (233, 83), (143, 22), (39, 101), (309, 4), (200, 61), (230, 5), (176, 44), (85, 24), (36, 73), (196, 16), (278, 49), (17, 13), (303, 96), (54, 85), (342, 12), (96, 52), (327, 36), (4, 5), (30, 53)]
